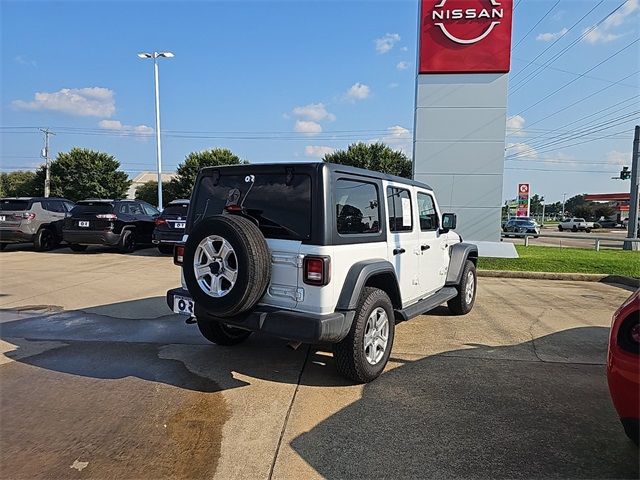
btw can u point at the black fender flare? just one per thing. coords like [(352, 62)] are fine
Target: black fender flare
[(458, 255), (357, 277)]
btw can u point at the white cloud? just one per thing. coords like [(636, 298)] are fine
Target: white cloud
[(117, 125), (398, 138), (86, 102), (404, 49), (394, 85), (618, 158), (515, 125), (314, 111), (307, 126), (358, 91), (318, 151), (551, 36), (603, 33), (23, 60), (521, 149), (386, 42), (402, 65)]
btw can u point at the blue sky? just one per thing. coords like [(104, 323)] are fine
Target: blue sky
[(288, 81)]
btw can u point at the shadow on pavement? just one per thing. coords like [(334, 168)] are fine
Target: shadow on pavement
[(470, 413)]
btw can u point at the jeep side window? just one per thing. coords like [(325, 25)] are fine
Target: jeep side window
[(357, 207), (149, 210), (400, 210), (427, 212)]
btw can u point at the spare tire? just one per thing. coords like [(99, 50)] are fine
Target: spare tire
[(227, 265)]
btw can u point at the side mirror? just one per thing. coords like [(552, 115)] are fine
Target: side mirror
[(449, 221)]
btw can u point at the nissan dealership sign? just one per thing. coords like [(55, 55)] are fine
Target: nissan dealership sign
[(465, 36)]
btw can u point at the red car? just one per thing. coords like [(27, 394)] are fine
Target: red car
[(623, 364)]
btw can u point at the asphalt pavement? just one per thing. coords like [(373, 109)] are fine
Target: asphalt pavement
[(99, 380)]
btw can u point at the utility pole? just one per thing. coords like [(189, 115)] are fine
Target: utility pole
[(45, 155), (632, 231), (564, 197)]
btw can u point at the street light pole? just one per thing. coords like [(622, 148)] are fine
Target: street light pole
[(564, 197), (155, 56), (632, 228)]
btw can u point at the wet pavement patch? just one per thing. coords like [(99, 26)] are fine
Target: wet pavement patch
[(113, 410)]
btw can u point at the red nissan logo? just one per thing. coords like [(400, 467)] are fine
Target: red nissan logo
[(467, 22)]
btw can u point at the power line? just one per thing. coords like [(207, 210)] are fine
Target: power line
[(533, 74), (577, 78), (536, 24), (513, 77), (586, 97), (585, 130)]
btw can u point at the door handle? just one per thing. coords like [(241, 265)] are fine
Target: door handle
[(425, 247), (397, 251)]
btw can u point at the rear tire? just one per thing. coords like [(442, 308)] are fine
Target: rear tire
[(462, 303), (588, 230), (362, 355), (77, 248), (45, 240), (127, 242), (221, 334), (560, 228), (574, 229), (165, 249)]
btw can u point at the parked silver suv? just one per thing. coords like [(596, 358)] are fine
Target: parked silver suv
[(36, 220)]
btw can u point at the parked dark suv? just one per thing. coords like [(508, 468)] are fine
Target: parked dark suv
[(36, 220), (116, 223), (170, 225)]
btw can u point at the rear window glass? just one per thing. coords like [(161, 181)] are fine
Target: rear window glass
[(14, 205), (180, 210), (93, 207), (281, 206)]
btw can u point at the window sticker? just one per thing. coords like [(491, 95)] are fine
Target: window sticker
[(406, 212)]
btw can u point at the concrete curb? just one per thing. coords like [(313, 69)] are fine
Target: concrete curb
[(576, 277)]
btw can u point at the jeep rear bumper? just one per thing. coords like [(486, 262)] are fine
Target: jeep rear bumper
[(290, 325)]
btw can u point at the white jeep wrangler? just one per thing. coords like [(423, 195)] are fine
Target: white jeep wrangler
[(318, 253)]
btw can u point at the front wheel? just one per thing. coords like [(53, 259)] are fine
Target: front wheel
[(574, 229), (560, 227), (362, 355), (588, 230), (462, 303), (221, 334)]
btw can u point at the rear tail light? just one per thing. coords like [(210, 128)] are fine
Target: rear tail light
[(107, 216), (629, 333), (160, 221), (28, 215), (178, 254), (316, 270)]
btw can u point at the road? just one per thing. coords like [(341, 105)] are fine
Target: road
[(100, 380), (576, 239)]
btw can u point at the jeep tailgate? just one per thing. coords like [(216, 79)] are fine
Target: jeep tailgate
[(286, 261)]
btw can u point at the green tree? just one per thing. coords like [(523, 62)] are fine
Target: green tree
[(187, 171), (376, 156), (82, 173), (20, 183), (603, 210), (572, 204), (583, 211), (149, 192), (535, 205)]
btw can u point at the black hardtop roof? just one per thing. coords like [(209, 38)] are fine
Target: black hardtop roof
[(34, 199), (333, 167)]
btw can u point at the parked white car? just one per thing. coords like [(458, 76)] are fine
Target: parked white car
[(575, 225)]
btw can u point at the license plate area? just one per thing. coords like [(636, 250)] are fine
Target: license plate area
[(182, 305), (179, 225), (83, 224), (3, 218)]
